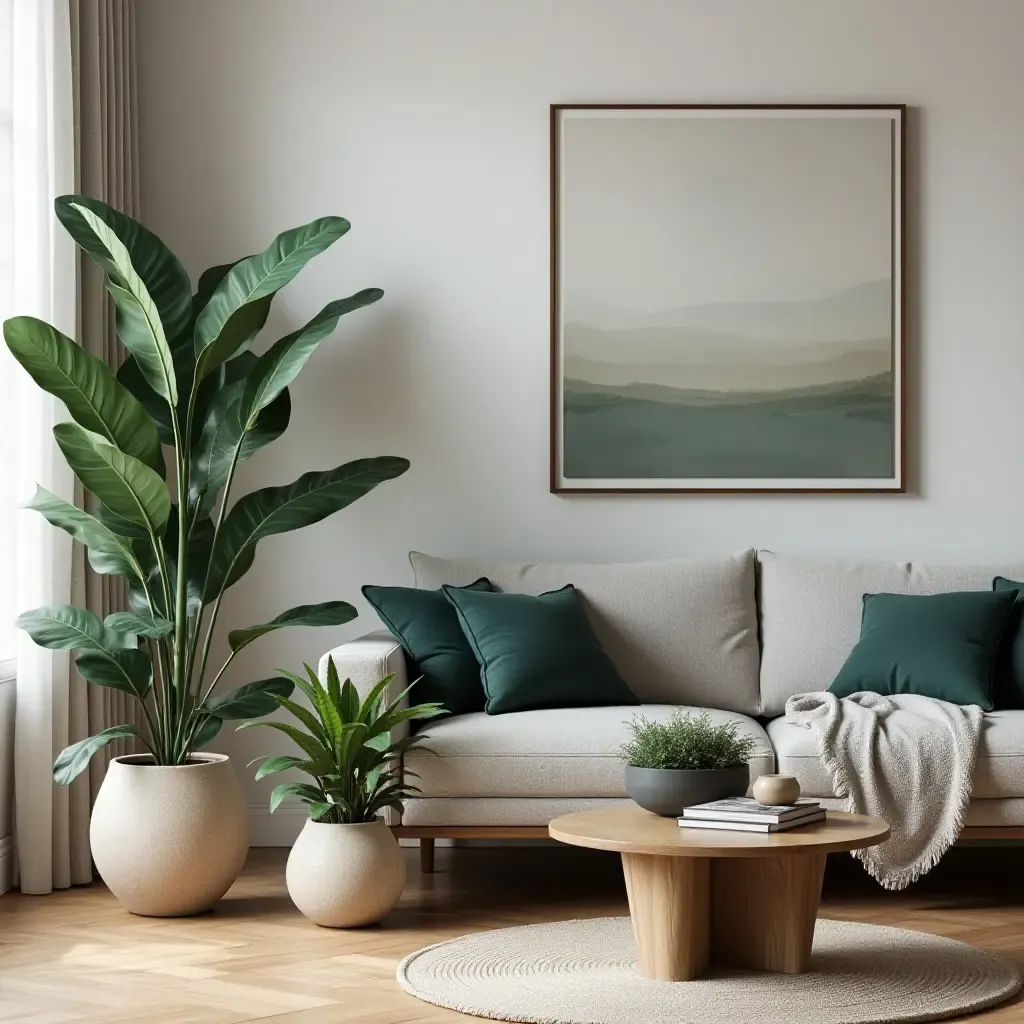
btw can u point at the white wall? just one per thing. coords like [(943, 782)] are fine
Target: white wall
[(426, 123)]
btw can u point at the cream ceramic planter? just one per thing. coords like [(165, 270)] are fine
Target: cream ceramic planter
[(344, 876), (169, 841)]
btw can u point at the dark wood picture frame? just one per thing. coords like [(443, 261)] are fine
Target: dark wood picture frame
[(898, 485)]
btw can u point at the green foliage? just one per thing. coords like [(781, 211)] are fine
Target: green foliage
[(346, 747), (686, 742), (190, 382)]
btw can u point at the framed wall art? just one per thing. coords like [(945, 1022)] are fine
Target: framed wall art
[(727, 298)]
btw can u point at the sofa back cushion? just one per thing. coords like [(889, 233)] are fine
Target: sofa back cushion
[(679, 632), (811, 608)]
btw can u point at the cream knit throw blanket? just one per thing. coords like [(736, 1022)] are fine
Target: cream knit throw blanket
[(906, 759)]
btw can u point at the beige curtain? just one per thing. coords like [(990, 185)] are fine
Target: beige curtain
[(107, 168), (53, 822)]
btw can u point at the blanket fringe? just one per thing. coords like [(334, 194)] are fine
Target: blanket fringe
[(900, 879)]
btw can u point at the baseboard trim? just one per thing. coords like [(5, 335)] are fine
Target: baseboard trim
[(6, 863), (281, 828)]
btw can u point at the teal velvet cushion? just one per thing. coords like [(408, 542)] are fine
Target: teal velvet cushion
[(537, 652), (427, 627), (936, 645), (1009, 688)]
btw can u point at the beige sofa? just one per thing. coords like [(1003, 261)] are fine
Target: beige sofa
[(737, 635)]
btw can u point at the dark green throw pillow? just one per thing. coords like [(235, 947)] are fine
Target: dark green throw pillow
[(936, 645), (537, 652), (1009, 689), (428, 629)]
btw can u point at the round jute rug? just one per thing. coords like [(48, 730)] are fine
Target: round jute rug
[(584, 972)]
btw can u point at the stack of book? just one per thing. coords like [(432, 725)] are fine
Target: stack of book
[(745, 814)]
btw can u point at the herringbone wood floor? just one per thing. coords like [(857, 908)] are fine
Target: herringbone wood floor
[(76, 956)]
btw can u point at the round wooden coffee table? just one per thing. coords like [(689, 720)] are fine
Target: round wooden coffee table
[(697, 896)]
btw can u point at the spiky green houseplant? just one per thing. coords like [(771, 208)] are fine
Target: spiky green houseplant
[(346, 745), (191, 384)]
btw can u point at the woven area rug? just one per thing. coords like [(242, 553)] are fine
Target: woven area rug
[(584, 972)]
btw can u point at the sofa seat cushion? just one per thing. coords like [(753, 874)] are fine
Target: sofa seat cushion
[(565, 752), (998, 774)]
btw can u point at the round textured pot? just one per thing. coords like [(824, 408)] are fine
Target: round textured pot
[(169, 841), (666, 791), (345, 876)]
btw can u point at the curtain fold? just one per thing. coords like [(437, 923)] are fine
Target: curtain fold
[(74, 131), (107, 168)]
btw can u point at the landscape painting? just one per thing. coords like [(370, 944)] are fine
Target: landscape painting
[(727, 299)]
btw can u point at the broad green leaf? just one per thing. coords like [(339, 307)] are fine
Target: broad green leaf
[(72, 761), (312, 497), (130, 377), (129, 488), (304, 791), (86, 386), (108, 553), (138, 624), (121, 526), (327, 613), (284, 360), (129, 671), (150, 288), (183, 355), (278, 763), (224, 440), (228, 319), (251, 700), (65, 627), (209, 727), (304, 741)]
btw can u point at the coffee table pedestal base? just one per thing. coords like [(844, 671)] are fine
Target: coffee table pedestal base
[(746, 912)]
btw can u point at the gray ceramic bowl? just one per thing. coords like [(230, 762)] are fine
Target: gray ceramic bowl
[(667, 791)]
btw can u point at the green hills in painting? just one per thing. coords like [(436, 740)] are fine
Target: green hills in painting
[(761, 390)]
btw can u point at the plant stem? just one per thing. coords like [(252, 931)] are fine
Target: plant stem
[(179, 683), (153, 731), (207, 641), (162, 708), (216, 678)]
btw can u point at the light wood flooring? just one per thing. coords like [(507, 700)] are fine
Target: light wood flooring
[(76, 956)]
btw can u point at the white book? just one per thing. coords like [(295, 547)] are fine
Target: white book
[(744, 808), (752, 826)]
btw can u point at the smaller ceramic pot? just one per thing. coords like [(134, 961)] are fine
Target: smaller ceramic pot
[(776, 789), (666, 791), (345, 876)]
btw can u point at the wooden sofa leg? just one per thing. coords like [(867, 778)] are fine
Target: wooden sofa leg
[(427, 856)]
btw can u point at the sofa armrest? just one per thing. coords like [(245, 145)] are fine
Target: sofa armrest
[(366, 662)]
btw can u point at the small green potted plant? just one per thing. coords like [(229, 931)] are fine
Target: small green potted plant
[(345, 869), (684, 761)]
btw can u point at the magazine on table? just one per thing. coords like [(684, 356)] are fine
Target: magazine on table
[(745, 808), (754, 826)]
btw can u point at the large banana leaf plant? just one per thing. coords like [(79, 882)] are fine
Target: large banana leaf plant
[(156, 447)]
